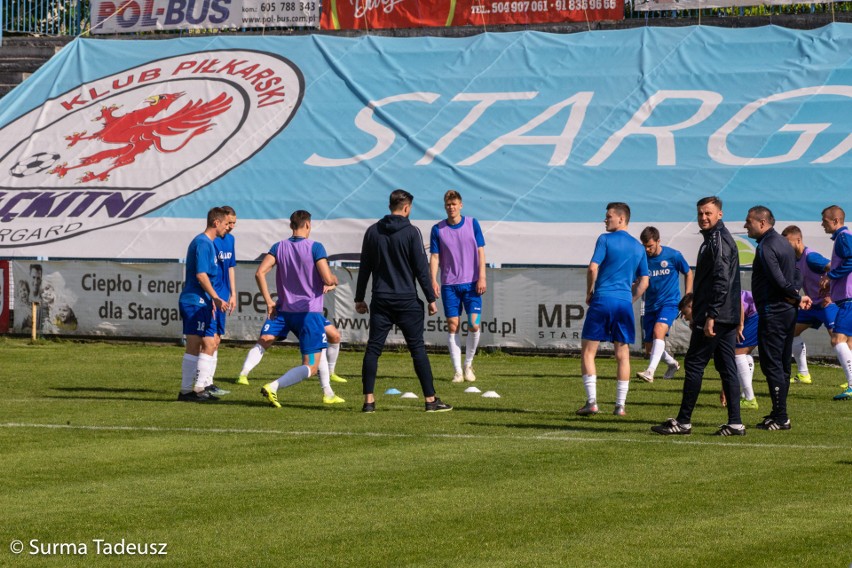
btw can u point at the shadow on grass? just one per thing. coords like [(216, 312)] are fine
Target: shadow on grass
[(103, 389)]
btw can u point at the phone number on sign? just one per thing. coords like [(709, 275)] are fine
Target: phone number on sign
[(543, 6)]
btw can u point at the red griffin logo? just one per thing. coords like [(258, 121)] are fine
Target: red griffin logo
[(137, 131)]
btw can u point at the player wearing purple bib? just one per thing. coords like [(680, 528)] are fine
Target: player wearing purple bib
[(301, 273), (838, 281), (199, 304), (746, 342), (661, 300), (617, 277), (458, 248), (812, 266)]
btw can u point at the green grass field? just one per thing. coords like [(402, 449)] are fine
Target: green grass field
[(94, 446)]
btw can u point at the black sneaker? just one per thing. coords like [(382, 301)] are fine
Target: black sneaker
[(215, 390), (672, 427), (772, 424), (438, 406), (728, 430), (369, 407), (193, 396)]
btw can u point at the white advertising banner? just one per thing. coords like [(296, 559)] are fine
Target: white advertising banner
[(131, 16), (541, 308)]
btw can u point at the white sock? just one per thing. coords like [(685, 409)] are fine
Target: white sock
[(204, 376), (213, 370), (844, 356), (253, 358), (332, 352), (745, 373), (800, 355), (455, 350), (591, 384), (658, 347), (621, 391), (291, 377), (471, 343), (322, 371), (188, 369), (668, 359)]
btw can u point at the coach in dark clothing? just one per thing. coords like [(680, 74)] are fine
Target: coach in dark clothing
[(775, 284), (393, 254), (716, 315)]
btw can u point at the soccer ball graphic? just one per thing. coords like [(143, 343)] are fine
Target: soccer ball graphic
[(35, 164)]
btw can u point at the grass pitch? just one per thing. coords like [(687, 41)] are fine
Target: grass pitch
[(96, 451)]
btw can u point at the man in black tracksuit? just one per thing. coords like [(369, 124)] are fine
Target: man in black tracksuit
[(716, 314), (775, 284), (393, 254)]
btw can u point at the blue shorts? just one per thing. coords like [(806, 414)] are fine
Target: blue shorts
[(666, 315), (276, 327), (198, 319), (817, 317), (843, 321), (219, 322), (309, 327), (454, 296), (608, 319), (749, 332)]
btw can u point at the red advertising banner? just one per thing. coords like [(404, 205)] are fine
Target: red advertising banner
[(379, 14), (4, 296)]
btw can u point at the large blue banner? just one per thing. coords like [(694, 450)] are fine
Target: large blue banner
[(119, 148)]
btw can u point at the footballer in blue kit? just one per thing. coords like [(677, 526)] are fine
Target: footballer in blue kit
[(225, 286), (812, 266), (665, 266), (199, 304), (617, 277)]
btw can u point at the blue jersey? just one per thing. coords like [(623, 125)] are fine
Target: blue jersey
[(622, 260), (226, 258), (200, 258), (663, 286)]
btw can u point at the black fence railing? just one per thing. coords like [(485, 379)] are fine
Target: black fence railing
[(72, 17)]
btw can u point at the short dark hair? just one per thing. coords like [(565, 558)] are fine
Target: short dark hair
[(37, 268), (399, 198), (835, 210), (215, 214), (621, 208), (299, 218), (763, 213), (791, 230), (685, 301), (710, 200), (649, 234), (452, 195), (228, 210)]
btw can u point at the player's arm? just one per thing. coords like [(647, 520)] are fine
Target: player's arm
[(741, 326), (688, 279), (232, 303), (481, 284), (204, 281), (266, 265), (844, 250), (591, 278), (434, 263), (639, 287), (328, 278)]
